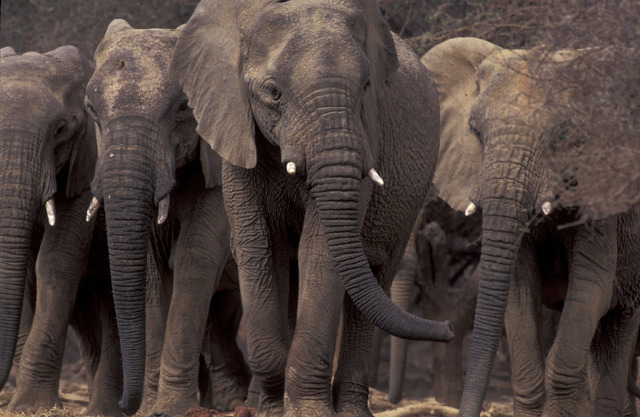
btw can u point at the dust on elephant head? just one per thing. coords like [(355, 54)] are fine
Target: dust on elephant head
[(503, 127)]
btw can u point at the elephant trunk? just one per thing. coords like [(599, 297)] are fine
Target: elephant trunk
[(335, 180), (504, 218), (23, 190), (125, 182)]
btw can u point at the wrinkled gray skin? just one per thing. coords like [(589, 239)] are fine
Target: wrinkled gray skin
[(591, 270), (316, 93), (150, 155), (48, 152), (437, 269)]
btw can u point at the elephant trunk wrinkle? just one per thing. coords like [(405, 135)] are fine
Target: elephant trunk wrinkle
[(15, 246), (502, 224), (336, 189), (128, 218)]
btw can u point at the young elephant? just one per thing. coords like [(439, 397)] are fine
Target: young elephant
[(438, 268), (319, 96), (47, 158), (150, 156), (534, 250)]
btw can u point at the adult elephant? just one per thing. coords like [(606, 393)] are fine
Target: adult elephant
[(498, 135), (47, 158), (438, 271), (150, 156), (318, 97)]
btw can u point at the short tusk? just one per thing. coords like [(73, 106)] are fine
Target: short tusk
[(51, 211), (163, 209), (291, 167), (471, 208), (546, 208), (375, 177), (93, 207)]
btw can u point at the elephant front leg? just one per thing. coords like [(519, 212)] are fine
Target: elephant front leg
[(158, 298), (351, 382), (106, 374), (225, 380), (591, 275), (59, 267), (201, 253), (521, 325), (612, 347), (310, 361)]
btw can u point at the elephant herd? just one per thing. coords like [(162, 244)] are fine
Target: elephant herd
[(268, 161)]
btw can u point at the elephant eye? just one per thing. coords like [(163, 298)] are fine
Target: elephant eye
[(473, 127), (366, 86), (89, 107), (182, 111), (273, 91), (59, 129)]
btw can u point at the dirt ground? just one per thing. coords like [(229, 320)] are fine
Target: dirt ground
[(418, 392)]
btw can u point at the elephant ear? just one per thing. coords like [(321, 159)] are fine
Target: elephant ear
[(84, 151), (206, 64), (453, 65), (211, 165), (379, 44), (84, 155)]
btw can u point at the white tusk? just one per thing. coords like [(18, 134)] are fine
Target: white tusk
[(93, 207), (375, 177), (163, 209), (546, 208), (291, 167), (471, 208), (51, 211)]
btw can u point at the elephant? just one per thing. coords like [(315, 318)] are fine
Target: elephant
[(438, 268), (150, 158), (328, 151), (498, 136), (49, 255)]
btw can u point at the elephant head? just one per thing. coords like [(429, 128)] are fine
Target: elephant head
[(497, 141), (146, 132), (304, 81), (47, 154)]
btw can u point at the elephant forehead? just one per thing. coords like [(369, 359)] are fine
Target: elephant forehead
[(307, 25), (508, 81), (132, 67)]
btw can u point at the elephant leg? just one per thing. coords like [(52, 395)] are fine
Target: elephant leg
[(227, 374), (159, 291), (201, 254), (105, 370), (403, 292), (521, 326), (61, 261), (611, 350), (351, 382), (310, 361), (592, 265)]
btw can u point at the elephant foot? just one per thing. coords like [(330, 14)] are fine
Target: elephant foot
[(174, 408), (574, 409), (103, 407), (34, 399), (309, 408), (354, 412)]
